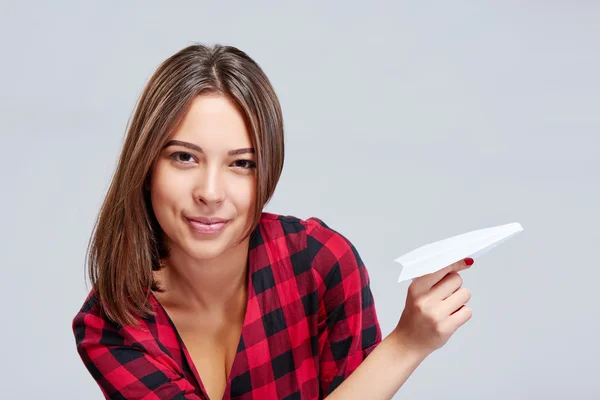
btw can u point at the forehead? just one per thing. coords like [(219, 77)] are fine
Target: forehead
[(213, 122)]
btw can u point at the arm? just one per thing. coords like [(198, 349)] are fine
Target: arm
[(382, 373), (124, 368), (349, 330), (435, 309), (355, 363)]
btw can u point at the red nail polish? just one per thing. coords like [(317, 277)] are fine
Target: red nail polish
[(469, 261)]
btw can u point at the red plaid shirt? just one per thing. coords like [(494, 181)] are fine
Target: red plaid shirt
[(310, 322)]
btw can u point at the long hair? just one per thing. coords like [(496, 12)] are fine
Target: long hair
[(126, 245)]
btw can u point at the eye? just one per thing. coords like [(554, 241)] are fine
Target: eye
[(244, 164), (183, 157)]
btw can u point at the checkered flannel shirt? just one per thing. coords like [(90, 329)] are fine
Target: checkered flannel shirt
[(309, 323)]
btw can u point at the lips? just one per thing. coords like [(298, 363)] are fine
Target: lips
[(207, 220), (206, 225)]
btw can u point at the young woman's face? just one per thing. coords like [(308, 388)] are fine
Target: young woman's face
[(203, 185)]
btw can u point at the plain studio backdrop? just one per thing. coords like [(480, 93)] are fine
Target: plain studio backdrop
[(406, 122)]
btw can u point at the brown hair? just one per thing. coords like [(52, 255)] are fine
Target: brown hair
[(126, 245)]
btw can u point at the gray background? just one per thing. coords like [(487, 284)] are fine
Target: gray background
[(406, 123)]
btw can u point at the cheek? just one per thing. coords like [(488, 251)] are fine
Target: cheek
[(243, 195), (166, 192)]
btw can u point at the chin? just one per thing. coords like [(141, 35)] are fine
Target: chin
[(206, 251)]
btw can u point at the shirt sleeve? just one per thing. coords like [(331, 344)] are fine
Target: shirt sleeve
[(348, 325), (124, 368)]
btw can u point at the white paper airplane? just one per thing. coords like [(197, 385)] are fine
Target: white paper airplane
[(437, 255)]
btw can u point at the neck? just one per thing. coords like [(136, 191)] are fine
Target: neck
[(210, 286)]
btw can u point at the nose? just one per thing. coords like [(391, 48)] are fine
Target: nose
[(210, 188)]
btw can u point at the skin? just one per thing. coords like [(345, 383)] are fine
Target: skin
[(205, 275)]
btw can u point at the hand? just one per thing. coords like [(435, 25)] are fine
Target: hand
[(435, 309)]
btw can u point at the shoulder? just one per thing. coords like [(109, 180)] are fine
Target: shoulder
[(336, 287), (89, 314), (91, 326), (312, 229), (93, 329), (277, 225), (327, 252), (128, 361)]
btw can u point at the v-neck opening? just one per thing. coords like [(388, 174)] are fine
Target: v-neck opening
[(192, 366)]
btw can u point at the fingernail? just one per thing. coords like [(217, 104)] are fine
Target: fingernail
[(469, 261)]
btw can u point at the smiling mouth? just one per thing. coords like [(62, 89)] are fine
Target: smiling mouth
[(207, 225)]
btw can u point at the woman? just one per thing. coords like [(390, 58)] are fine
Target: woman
[(197, 293)]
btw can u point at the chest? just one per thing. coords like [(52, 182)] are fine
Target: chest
[(280, 348), (212, 348)]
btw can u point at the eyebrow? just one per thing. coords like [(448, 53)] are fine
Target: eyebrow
[(198, 149)]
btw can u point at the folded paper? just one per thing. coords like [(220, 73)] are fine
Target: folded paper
[(437, 255)]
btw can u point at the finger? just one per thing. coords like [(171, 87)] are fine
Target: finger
[(454, 302), (426, 282), (460, 317), (445, 287)]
